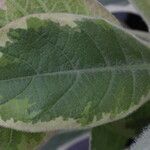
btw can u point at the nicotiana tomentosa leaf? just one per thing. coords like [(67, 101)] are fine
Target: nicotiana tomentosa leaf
[(144, 7), (60, 71), (13, 9)]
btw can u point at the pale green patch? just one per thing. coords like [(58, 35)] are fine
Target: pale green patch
[(57, 124), (87, 108), (1, 97), (86, 113), (61, 18), (71, 124), (1, 54), (3, 37), (106, 118), (17, 9), (17, 140), (21, 106), (4, 31)]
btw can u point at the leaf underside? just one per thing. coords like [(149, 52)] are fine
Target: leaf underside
[(67, 76)]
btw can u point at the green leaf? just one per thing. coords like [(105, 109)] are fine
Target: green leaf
[(144, 7), (109, 138), (13, 9), (16, 140), (118, 135), (63, 71)]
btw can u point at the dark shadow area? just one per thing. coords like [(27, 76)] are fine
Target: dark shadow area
[(131, 21), (81, 145), (129, 142)]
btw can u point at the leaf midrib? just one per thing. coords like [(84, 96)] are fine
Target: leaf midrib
[(123, 68)]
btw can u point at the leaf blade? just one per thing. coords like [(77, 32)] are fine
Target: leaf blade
[(63, 73)]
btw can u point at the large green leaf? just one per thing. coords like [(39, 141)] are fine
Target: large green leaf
[(16, 140), (144, 7), (63, 71), (13, 9), (118, 135)]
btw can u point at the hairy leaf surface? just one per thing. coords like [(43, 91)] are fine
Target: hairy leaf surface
[(63, 71), (13, 9)]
